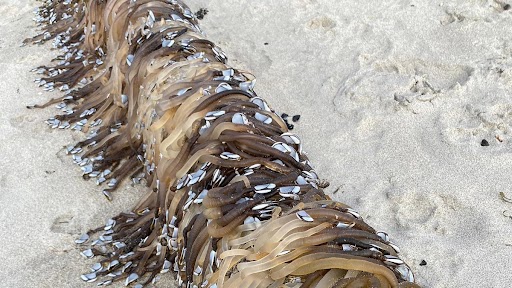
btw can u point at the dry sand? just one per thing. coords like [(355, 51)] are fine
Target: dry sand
[(395, 98)]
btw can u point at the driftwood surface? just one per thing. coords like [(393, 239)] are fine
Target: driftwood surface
[(232, 199)]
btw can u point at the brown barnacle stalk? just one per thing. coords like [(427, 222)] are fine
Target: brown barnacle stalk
[(233, 201)]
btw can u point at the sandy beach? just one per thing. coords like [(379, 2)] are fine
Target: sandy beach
[(404, 107)]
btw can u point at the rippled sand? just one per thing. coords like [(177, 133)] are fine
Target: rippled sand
[(395, 98)]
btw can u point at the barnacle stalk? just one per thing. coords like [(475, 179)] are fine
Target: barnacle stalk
[(233, 201)]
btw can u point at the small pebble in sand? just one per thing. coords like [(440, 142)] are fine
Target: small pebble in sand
[(484, 143), (506, 7), (294, 119), (423, 263), (201, 13)]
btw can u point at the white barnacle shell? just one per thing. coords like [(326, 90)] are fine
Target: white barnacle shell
[(205, 127), (261, 103), (87, 253), (212, 115), (166, 266), (91, 277), (219, 54), (223, 87), (228, 73), (196, 177), (167, 43), (289, 189), (107, 195), (304, 216), (151, 19), (405, 272), (129, 59), (301, 180), (394, 246), (264, 188), (240, 118), (263, 118), (96, 267), (312, 175), (87, 169), (260, 206), (248, 86), (393, 260), (112, 183), (182, 182), (110, 224), (183, 91), (291, 138), (283, 147), (131, 278), (200, 197), (216, 174), (187, 13), (83, 238), (198, 271), (345, 225), (230, 156), (383, 235)]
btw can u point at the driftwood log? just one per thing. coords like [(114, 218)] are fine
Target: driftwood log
[(232, 201)]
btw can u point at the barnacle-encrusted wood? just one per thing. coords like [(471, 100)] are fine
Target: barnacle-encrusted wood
[(233, 200)]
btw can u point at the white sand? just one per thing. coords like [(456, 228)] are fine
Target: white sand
[(394, 97)]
